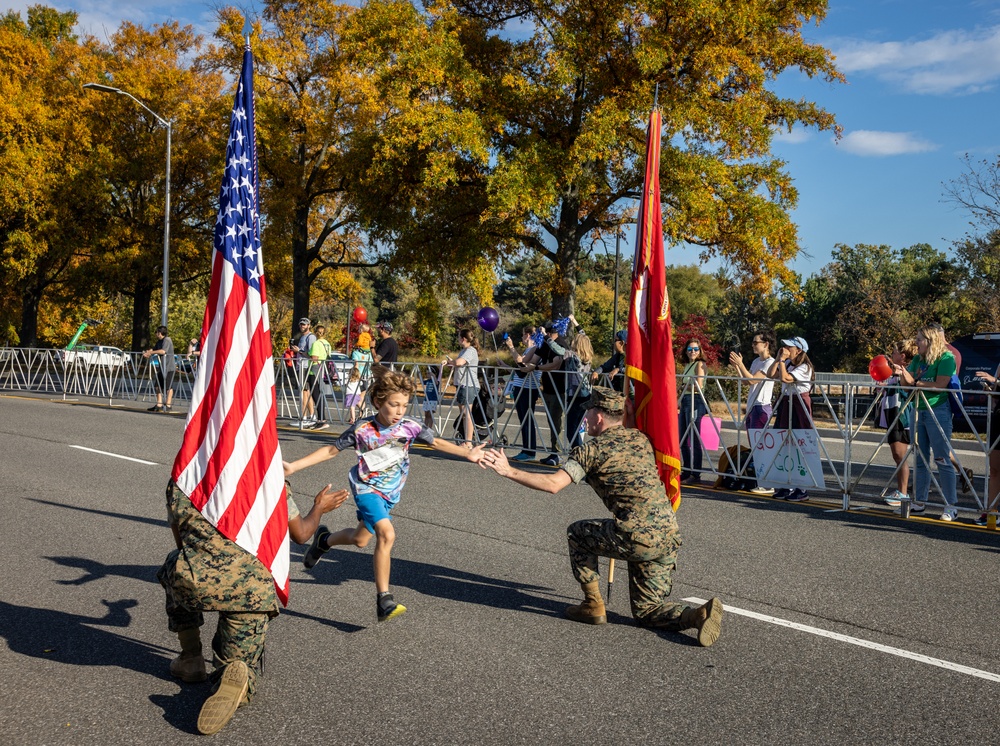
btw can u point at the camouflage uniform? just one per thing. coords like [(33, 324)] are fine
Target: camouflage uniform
[(620, 465), (211, 573)]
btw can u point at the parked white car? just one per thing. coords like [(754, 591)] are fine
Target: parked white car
[(95, 355)]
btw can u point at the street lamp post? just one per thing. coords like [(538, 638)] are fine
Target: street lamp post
[(166, 207), (618, 254)]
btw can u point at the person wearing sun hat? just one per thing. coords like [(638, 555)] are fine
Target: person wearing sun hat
[(796, 372)]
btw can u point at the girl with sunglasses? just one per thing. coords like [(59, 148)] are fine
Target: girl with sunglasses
[(691, 408)]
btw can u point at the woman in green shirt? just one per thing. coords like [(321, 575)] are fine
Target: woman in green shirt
[(929, 372)]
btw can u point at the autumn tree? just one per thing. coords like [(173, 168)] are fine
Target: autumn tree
[(306, 106), (537, 140), (158, 66), (47, 181)]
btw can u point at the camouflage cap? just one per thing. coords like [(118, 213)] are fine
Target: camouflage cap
[(611, 401)]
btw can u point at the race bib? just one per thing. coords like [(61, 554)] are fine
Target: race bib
[(384, 457)]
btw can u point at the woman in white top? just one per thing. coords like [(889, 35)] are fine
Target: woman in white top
[(759, 400), (691, 408), (467, 379), (796, 372)]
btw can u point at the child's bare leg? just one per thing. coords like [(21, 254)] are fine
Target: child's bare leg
[(385, 536), (429, 420), (358, 537)]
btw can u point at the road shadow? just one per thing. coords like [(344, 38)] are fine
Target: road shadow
[(341, 565), (93, 570), (181, 710), (876, 520), (78, 640), (159, 522)]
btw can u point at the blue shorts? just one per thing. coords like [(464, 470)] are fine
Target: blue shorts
[(372, 508)]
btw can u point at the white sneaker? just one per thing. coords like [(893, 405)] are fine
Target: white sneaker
[(895, 498), (762, 491), (949, 514)]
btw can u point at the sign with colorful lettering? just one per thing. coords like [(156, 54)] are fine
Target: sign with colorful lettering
[(787, 458)]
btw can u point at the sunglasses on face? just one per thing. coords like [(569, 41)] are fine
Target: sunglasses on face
[(693, 349)]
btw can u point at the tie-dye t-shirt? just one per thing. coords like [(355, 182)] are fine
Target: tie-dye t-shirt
[(392, 444)]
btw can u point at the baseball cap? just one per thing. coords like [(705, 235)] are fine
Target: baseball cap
[(622, 335), (304, 320), (796, 342), (385, 325), (602, 397)]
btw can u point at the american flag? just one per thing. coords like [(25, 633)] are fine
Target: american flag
[(229, 464)]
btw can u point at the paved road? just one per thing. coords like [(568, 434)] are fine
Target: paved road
[(483, 655)]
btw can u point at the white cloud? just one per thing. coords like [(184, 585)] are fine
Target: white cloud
[(101, 18), (950, 62), (796, 136), (874, 143)]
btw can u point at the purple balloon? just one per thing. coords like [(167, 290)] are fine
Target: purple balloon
[(488, 319)]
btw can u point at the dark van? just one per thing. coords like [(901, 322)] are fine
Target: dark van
[(977, 352)]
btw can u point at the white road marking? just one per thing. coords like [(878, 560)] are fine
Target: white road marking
[(115, 455), (958, 668)]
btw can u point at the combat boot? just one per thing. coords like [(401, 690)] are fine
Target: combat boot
[(234, 682), (189, 666), (591, 611), (707, 619)]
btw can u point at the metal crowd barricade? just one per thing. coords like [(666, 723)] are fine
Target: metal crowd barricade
[(855, 464)]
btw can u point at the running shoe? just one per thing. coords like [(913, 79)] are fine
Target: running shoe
[(317, 549), (895, 498), (387, 609), (523, 456), (797, 495)]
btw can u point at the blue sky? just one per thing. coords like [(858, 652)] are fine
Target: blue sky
[(921, 92)]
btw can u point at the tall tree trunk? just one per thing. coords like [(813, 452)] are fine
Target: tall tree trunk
[(567, 256), (300, 267), (29, 315), (141, 296)]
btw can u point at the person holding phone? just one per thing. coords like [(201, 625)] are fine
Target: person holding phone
[(759, 407)]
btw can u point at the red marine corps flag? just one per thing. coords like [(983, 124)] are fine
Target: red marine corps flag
[(649, 359), (229, 463)]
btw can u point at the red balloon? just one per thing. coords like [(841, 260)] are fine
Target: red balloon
[(880, 368), (360, 315)]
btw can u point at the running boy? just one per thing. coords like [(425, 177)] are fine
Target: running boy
[(382, 443)]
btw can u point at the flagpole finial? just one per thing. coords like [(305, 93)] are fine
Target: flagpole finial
[(247, 28)]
